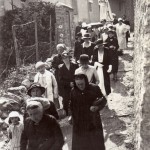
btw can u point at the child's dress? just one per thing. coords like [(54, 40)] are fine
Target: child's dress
[(16, 131)]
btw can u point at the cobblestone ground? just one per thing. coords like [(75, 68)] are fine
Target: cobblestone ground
[(118, 117)]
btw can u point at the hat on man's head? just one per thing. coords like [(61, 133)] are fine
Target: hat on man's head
[(87, 36), (36, 85), (39, 64), (84, 58)]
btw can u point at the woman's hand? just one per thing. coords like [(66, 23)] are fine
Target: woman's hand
[(94, 108)]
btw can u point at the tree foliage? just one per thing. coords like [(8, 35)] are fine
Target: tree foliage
[(26, 33)]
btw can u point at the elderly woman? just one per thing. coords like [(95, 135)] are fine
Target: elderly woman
[(87, 69), (46, 80), (102, 62), (66, 78), (41, 132), (86, 102)]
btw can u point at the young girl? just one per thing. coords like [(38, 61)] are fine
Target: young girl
[(15, 130)]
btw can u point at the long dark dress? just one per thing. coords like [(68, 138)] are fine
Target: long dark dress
[(65, 77), (107, 60), (113, 42), (46, 135), (57, 60), (77, 49), (88, 50), (86, 134)]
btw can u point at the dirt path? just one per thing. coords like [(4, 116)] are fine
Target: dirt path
[(118, 117)]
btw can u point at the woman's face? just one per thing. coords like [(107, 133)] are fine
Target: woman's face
[(41, 69), (36, 92), (80, 83), (110, 35), (36, 114), (14, 120), (86, 40), (66, 59), (60, 50), (84, 65)]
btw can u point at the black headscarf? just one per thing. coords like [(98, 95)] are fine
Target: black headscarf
[(81, 76)]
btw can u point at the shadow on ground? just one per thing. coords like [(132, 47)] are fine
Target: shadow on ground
[(113, 126)]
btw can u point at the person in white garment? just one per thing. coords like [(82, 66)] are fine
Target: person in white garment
[(121, 30), (46, 80), (87, 69), (15, 130)]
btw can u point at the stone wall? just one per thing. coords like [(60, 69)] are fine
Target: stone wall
[(65, 28), (142, 74)]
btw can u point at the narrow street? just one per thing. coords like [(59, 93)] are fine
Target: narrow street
[(118, 116)]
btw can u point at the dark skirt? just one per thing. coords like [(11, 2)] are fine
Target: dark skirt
[(115, 62), (106, 81), (91, 140)]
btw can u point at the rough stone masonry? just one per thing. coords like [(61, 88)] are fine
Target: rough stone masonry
[(142, 74)]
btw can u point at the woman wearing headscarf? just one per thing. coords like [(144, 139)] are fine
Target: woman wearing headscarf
[(66, 78), (87, 126), (41, 131), (102, 60)]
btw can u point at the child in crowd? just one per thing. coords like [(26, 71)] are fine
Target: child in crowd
[(15, 130)]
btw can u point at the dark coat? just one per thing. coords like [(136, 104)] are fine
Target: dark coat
[(77, 49), (46, 135), (107, 60), (115, 21), (113, 42), (86, 134), (88, 50), (57, 60), (52, 110), (65, 77)]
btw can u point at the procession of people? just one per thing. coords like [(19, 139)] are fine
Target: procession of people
[(83, 82)]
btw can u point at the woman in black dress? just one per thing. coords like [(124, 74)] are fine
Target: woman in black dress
[(87, 126), (112, 44), (102, 61), (87, 46), (78, 46), (66, 78)]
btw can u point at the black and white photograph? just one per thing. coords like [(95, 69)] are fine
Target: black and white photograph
[(74, 74)]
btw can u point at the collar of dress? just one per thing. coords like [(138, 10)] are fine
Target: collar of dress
[(90, 43)]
